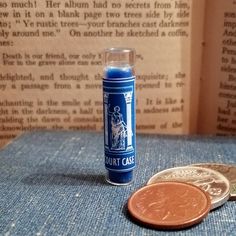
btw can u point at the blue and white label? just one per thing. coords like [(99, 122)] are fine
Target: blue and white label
[(119, 123)]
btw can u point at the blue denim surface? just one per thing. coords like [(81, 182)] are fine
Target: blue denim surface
[(52, 183)]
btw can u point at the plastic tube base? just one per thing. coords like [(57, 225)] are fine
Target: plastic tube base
[(119, 178)]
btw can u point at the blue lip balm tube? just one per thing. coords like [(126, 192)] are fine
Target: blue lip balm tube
[(119, 115)]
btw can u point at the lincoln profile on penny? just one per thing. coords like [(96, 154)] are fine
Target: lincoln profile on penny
[(118, 128)]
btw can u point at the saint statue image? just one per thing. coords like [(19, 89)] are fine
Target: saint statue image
[(118, 128)]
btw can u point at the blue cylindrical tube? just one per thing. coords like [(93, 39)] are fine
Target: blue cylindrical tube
[(119, 115)]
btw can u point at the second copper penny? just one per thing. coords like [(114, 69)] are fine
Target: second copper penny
[(169, 205)]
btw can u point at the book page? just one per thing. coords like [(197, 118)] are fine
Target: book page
[(218, 86), (197, 38), (51, 62)]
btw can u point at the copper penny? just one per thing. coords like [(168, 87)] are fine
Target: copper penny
[(229, 171), (169, 205)]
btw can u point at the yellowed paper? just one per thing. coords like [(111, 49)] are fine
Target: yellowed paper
[(218, 86), (51, 68)]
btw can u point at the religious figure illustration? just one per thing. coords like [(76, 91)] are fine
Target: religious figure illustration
[(118, 128)]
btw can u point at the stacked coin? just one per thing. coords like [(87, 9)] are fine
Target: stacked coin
[(180, 197), (229, 171)]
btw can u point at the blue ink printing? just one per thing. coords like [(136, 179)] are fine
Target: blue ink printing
[(119, 115)]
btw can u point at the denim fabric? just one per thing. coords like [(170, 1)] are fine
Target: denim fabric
[(52, 183)]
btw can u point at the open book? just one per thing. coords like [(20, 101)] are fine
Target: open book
[(51, 68)]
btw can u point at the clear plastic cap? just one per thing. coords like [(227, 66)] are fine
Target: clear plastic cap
[(119, 57)]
